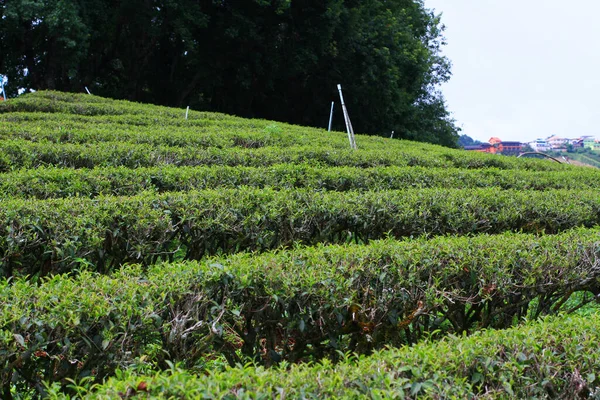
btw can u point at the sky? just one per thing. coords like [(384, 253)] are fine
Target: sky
[(522, 69)]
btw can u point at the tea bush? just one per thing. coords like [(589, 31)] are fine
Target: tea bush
[(46, 183), (299, 305), (145, 255), (555, 358), (40, 237)]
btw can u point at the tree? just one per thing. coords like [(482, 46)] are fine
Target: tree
[(465, 140), (276, 59), (42, 43)]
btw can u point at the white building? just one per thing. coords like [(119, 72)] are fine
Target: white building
[(539, 145), (556, 142)]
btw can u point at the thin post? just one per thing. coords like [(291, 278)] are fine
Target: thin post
[(87, 90), (2, 85), (331, 116), (347, 120), (187, 110)]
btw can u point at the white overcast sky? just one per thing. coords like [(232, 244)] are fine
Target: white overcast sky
[(523, 69)]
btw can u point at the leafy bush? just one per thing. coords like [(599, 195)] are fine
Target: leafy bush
[(298, 305), (49, 236), (90, 185), (52, 128), (20, 153), (556, 358), (45, 183)]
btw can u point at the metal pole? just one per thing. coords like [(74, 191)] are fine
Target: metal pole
[(347, 120), (331, 116), (87, 90), (2, 84), (187, 110)]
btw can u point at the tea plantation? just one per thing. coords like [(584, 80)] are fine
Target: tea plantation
[(144, 254)]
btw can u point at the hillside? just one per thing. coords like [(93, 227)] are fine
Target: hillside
[(214, 256), (589, 159)]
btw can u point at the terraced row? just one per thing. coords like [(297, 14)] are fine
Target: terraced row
[(201, 133), (180, 197), (297, 305), (555, 358), (46, 183), (47, 118), (49, 236), (19, 154), (72, 118)]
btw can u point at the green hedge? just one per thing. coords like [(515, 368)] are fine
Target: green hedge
[(299, 305), (45, 183), (17, 154), (201, 130), (146, 135), (49, 236), (556, 358), (82, 104)]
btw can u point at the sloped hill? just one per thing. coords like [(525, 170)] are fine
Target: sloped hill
[(133, 238)]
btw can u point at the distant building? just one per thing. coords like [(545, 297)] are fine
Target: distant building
[(539, 145), (510, 148), (559, 144), (482, 148), (556, 142), (494, 141), (591, 143), (553, 143), (577, 143), (497, 146)]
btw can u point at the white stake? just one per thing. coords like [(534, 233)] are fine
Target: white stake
[(2, 86), (331, 116), (347, 120), (187, 110), (87, 90)]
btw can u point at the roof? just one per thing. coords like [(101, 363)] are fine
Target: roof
[(512, 144)]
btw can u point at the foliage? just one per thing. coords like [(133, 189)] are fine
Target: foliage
[(555, 358), (52, 182), (215, 210), (82, 131), (304, 304), (465, 140), (49, 236)]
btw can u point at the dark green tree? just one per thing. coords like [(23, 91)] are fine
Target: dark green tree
[(466, 140), (42, 43), (276, 59)]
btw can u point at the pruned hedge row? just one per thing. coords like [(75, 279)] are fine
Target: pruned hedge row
[(61, 117), (300, 305), (78, 121), (17, 154), (82, 104), (50, 236), (224, 134), (199, 133), (46, 183), (556, 358)]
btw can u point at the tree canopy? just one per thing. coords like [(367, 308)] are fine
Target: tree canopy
[(466, 140), (275, 59)]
